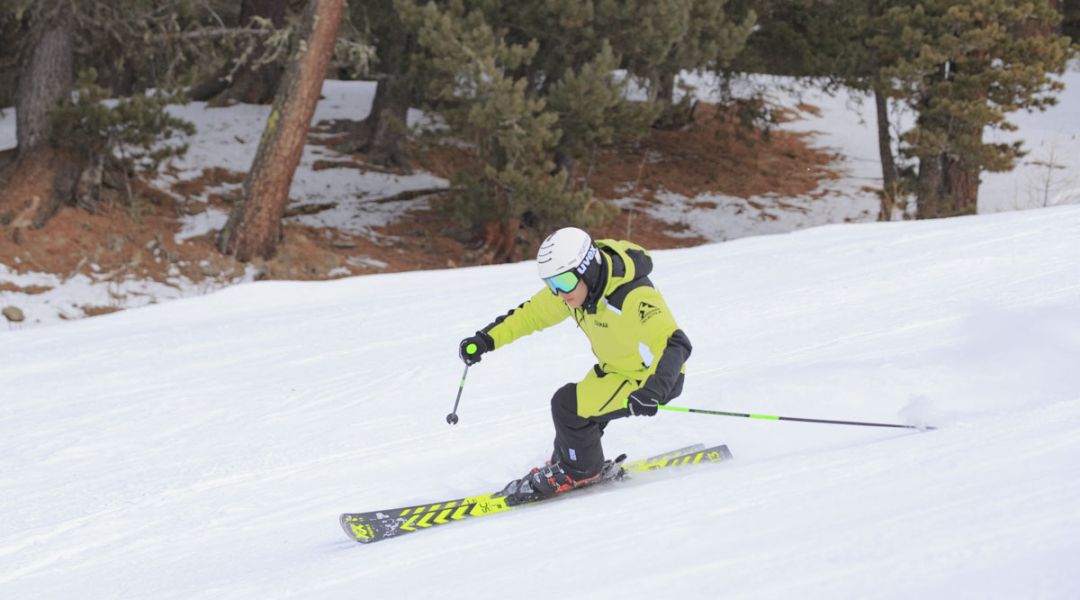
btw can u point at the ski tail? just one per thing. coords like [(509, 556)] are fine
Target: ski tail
[(664, 461), (634, 465)]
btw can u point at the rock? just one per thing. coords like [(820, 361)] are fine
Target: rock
[(13, 314)]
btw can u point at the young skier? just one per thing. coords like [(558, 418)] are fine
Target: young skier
[(640, 351)]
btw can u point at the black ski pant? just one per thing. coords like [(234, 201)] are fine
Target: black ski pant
[(577, 438)]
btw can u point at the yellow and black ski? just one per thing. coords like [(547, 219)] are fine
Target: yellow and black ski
[(378, 525)]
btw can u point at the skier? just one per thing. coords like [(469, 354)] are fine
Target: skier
[(640, 351)]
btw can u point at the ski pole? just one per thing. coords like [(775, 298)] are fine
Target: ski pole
[(799, 419), (452, 418)]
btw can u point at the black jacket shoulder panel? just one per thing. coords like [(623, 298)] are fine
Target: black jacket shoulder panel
[(617, 297), (618, 268), (642, 263)]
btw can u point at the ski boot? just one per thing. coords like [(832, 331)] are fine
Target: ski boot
[(545, 482)]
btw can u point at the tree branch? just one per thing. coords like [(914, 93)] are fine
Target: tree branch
[(410, 195), (204, 34)]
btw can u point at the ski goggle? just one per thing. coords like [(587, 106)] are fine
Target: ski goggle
[(563, 282)]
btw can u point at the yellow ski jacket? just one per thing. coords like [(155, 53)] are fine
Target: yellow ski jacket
[(631, 330)]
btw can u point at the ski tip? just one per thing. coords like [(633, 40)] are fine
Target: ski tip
[(356, 528)]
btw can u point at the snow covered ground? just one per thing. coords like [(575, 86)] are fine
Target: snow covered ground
[(228, 138), (845, 124), (203, 448)]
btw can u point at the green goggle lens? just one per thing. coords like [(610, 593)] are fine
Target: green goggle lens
[(563, 282)]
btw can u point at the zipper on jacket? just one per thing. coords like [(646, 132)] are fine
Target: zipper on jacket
[(621, 385)]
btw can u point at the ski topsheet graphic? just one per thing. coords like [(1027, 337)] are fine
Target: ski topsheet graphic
[(367, 527)]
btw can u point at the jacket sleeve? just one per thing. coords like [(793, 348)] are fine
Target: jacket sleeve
[(541, 311), (662, 341)]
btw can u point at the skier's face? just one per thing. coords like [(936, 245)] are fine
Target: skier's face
[(576, 297)]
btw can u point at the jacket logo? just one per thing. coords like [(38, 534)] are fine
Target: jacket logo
[(600, 324), (647, 311)]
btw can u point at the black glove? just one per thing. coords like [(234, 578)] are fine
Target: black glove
[(642, 403), (472, 347)]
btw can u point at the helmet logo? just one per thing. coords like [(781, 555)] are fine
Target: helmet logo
[(588, 259)]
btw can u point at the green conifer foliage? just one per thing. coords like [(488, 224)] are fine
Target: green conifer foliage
[(116, 137), (492, 112), (536, 87), (963, 66)]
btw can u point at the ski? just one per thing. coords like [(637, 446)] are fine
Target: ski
[(635, 465), (367, 527)]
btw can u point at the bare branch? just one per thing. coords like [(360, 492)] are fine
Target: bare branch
[(205, 34)]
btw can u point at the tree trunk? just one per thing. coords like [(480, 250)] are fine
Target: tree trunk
[(665, 91), (500, 241), (672, 116), (254, 225), (889, 176), (948, 187), (1070, 24), (40, 178), (10, 37), (382, 134), (7, 88), (45, 76), (251, 83)]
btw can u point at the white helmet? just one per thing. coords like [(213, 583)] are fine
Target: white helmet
[(568, 249)]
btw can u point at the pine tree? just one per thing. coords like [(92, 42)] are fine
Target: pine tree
[(493, 112), (658, 40), (962, 66), (534, 87)]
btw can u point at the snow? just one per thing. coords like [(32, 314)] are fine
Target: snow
[(203, 448), (229, 138), (7, 128), (59, 298), (844, 126)]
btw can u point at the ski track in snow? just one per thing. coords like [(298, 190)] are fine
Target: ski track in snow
[(203, 448)]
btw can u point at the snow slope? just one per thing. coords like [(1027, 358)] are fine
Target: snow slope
[(203, 448)]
